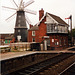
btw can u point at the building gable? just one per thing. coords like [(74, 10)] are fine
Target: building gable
[(57, 19), (50, 19)]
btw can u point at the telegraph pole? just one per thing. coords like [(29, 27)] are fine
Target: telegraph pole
[(71, 29)]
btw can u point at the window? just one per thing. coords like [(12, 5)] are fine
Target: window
[(33, 39), (51, 28), (56, 43), (18, 30), (33, 33), (66, 29), (48, 42), (56, 28), (52, 40), (19, 21), (19, 25), (64, 42), (19, 16)]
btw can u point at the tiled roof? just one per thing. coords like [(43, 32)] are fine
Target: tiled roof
[(58, 19), (34, 28), (9, 37)]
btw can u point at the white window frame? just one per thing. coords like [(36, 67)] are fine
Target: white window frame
[(18, 30), (52, 40), (19, 16), (33, 33), (19, 25)]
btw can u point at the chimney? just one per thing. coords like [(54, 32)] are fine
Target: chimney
[(41, 13), (31, 26)]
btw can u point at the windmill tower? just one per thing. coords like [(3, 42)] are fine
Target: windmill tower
[(21, 29)]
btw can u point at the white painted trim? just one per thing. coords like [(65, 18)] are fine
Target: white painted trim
[(33, 33), (41, 20), (52, 18)]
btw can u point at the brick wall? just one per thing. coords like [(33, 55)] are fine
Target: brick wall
[(42, 30), (30, 36), (56, 38)]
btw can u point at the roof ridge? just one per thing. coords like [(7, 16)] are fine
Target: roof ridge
[(53, 14)]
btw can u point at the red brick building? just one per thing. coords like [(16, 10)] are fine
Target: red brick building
[(51, 30)]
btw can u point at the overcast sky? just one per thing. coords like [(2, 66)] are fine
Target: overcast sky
[(61, 8)]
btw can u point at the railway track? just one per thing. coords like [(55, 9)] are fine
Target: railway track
[(70, 70), (35, 69)]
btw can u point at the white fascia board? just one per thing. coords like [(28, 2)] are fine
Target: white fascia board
[(50, 23), (64, 25)]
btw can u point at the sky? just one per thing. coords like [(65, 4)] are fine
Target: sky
[(61, 8)]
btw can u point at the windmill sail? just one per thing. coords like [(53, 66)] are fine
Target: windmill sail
[(15, 3), (27, 19), (28, 3), (10, 16), (9, 8), (30, 11)]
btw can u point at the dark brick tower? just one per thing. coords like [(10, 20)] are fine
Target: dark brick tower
[(21, 27)]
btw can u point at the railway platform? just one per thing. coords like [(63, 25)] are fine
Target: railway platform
[(13, 61), (9, 55)]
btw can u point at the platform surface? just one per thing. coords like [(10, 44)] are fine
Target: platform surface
[(9, 55)]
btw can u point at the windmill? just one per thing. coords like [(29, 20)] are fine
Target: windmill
[(21, 29)]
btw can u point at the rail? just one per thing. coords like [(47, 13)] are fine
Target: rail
[(34, 69), (67, 68)]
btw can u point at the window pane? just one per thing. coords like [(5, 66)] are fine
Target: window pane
[(48, 42), (33, 39), (33, 33), (18, 30)]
